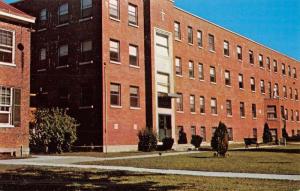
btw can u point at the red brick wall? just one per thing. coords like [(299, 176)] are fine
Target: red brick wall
[(17, 77)]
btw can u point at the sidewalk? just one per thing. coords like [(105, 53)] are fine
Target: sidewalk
[(67, 162)]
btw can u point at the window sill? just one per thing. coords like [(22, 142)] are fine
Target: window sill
[(201, 80), (192, 78), (202, 114), (179, 112), (230, 116), (212, 51), (180, 76), (226, 56), (6, 126), (243, 117), (191, 44), (200, 47), (133, 25), (115, 62), (86, 107), (240, 60), (135, 67), (193, 113), (61, 67), (254, 118), (253, 91), (135, 108), (262, 68), (215, 115), (114, 19), (116, 106), (242, 89), (178, 40), (42, 70), (85, 63), (41, 30), (228, 86), (62, 25), (7, 64), (85, 19), (213, 83)]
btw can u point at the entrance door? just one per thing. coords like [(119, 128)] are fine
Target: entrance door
[(274, 134), (165, 126)]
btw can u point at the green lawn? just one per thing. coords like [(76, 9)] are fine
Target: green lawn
[(256, 161), (26, 178)]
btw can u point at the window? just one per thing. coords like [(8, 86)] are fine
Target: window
[(227, 78), (211, 42), (199, 38), (179, 102), (10, 106), (202, 104), (241, 81), (271, 112), (213, 74), (268, 62), (284, 91), (213, 130), (177, 30), (296, 94), (262, 86), (228, 108), (86, 8), (115, 94), (63, 13), (282, 112), (133, 55), (132, 14), (286, 114), (114, 50), (251, 57), (292, 115), (190, 35), (86, 50), (42, 54), (43, 16), (276, 90), (193, 130), (213, 106), (297, 116), (6, 47), (178, 66), (230, 134), (239, 52), (294, 73), (134, 96), (261, 61), (291, 93), (63, 55), (270, 89), (226, 48), (275, 65), (192, 103), (203, 133), (283, 69), (201, 71), (289, 71), (114, 11), (252, 84), (191, 69), (162, 45), (254, 111), (242, 109), (86, 96), (254, 131)]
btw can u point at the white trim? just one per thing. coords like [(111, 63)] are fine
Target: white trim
[(17, 17), (13, 48)]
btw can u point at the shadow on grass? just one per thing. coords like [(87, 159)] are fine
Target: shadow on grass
[(55, 179), (273, 150)]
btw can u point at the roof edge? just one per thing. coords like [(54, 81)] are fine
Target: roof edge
[(17, 17)]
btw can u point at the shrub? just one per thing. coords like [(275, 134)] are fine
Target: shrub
[(167, 143), (267, 136), (182, 137), (147, 140), (196, 140), (219, 141), (52, 131)]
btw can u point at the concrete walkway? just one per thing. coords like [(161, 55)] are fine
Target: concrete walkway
[(67, 162)]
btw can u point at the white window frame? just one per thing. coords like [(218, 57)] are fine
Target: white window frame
[(13, 48), (10, 112)]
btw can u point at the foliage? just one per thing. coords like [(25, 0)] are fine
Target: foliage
[(52, 131), (196, 140), (147, 140), (267, 136), (284, 132), (182, 137), (167, 143), (220, 139)]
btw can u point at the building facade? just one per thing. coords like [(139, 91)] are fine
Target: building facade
[(14, 80), (122, 66)]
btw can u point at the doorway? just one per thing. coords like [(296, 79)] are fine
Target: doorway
[(165, 126)]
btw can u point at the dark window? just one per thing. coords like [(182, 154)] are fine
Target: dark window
[(63, 13), (178, 66), (294, 73), (190, 35), (254, 132), (251, 57), (6, 47), (289, 71), (43, 17), (262, 86), (17, 107), (239, 52), (296, 94), (211, 42), (241, 81), (193, 130), (292, 115), (191, 69), (252, 84), (242, 109), (114, 11), (227, 78), (283, 69), (291, 93), (229, 107), (134, 96), (202, 104), (268, 62), (261, 60), (192, 103), (275, 65), (86, 96), (63, 55), (86, 50), (284, 91), (115, 94), (114, 50), (226, 48), (213, 74), (86, 8), (133, 55), (132, 14), (201, 71), (254, 111)]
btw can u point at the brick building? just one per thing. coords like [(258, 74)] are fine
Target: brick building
[(121, 66), (14, 80)]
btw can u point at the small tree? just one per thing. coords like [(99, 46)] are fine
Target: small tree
[(147, 140), (52, 131), (196, 141), (220, 139), (267, 136)]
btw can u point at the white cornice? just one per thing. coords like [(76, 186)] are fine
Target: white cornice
[(16, 17)]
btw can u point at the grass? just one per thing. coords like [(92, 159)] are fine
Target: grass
[(250, 161), (27, 178)]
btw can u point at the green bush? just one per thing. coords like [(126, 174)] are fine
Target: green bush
[(167, 143), (52, 131), (196, 141), (182, 137), (267, 136), (147, 140), (220, 139)]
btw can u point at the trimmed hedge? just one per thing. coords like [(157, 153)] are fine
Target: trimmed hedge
[(196, 140), (147, 140)]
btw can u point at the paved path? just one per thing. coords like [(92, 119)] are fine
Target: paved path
[(66, 162)]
